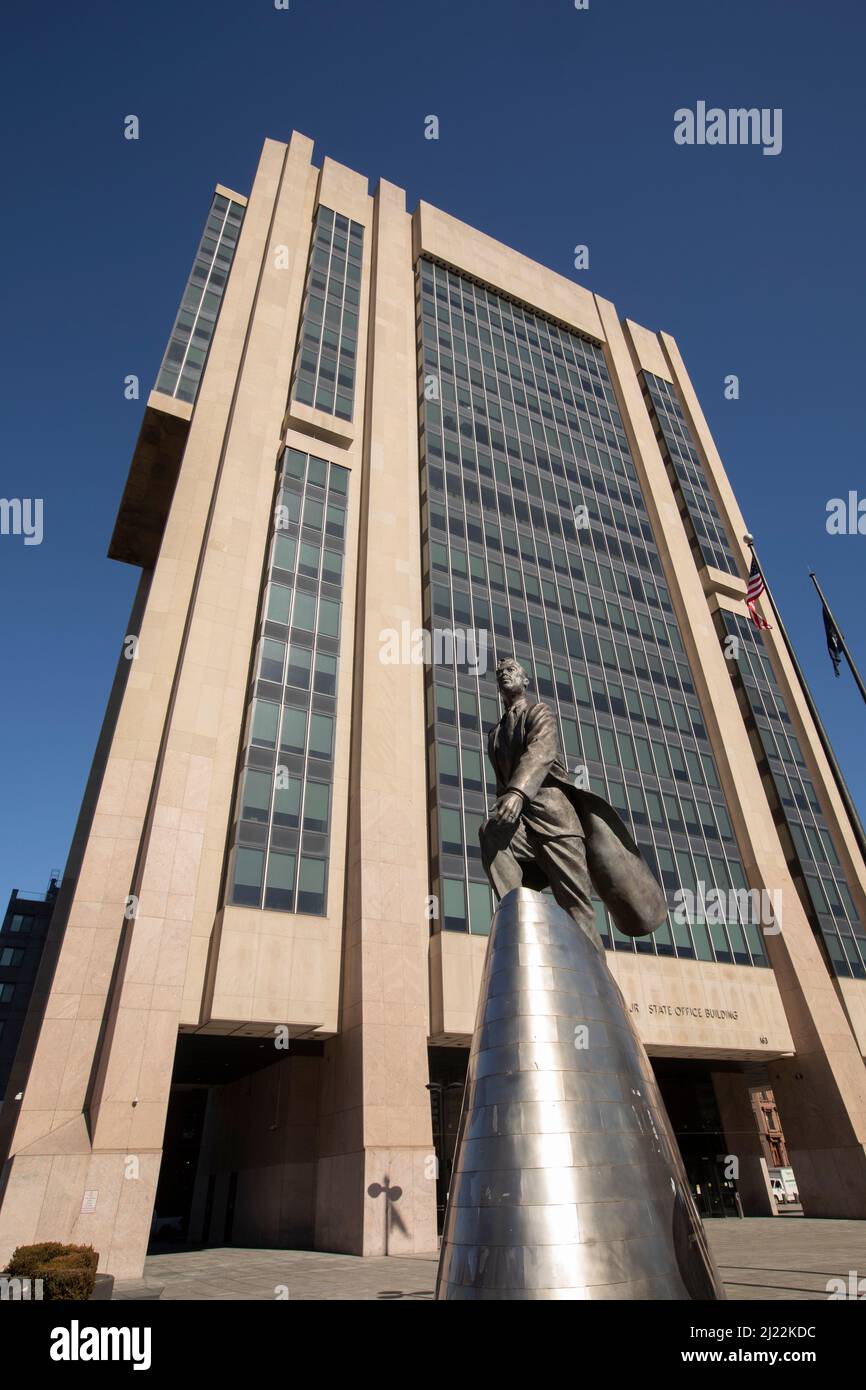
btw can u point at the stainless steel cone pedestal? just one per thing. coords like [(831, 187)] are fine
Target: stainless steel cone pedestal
[(567, 1180)]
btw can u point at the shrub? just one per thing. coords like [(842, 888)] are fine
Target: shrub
[(68, 1272), (25, 1258)]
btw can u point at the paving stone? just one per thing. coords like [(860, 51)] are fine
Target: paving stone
[(759, 1258)]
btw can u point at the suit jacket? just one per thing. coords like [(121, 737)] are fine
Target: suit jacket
[(528, 761)]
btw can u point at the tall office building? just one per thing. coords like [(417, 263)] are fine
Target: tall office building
[(269, 935)]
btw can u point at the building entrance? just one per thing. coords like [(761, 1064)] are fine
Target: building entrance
[(181, 1147), (239, 1154), (687, 1091)]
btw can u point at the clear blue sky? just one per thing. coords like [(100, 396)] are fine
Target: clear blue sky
[(556, 129)]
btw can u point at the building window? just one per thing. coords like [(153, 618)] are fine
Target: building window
[(806, 838), (686, 471), (522, 431), (10, 956), (186, 353), (284, 797), (7, 993), (326, 358)]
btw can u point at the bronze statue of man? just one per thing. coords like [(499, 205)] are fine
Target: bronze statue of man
[(545, 831)]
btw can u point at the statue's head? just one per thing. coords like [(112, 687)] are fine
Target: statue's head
[(511, 677)]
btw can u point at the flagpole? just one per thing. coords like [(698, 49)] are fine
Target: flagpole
[(842, 644), (847, 799)]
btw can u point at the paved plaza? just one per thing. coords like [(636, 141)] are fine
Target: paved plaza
[(760, 1258)]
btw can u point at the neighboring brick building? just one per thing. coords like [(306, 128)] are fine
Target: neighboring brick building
[(22, 938)]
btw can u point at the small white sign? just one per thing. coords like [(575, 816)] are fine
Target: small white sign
[(89, 1201)]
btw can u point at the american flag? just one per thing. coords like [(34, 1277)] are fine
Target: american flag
[(834, 641), (755, 588)]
